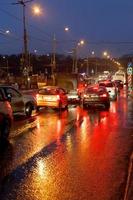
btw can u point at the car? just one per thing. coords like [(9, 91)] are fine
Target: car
[(6, 116), (96, 95), (20, 103), (111, 88), (52, 96), (73, 96)]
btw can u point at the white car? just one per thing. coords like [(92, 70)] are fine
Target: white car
[(111, 88)]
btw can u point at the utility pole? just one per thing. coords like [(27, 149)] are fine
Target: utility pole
[(54, 59), (25, 37)]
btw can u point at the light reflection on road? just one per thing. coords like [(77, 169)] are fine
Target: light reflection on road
[(77, 154)]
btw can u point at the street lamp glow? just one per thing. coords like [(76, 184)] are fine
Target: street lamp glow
[(36, 9), (66, 29), (108, 56), (105, 53), (93, 53), (82, 42)]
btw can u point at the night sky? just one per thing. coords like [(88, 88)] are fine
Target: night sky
[(103, 24)]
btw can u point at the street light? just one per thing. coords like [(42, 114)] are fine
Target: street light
[(105, 53), (36, 9), (75, 52), (26, 62), (66, 29)]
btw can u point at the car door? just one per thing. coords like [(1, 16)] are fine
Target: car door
[(16, 99)]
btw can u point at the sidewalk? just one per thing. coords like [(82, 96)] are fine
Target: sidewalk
[(129, 186)]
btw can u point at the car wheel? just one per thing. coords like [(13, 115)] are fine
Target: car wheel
[(5, 128), (28, 110)]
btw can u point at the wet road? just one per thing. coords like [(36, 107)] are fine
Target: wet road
[(76, 155)]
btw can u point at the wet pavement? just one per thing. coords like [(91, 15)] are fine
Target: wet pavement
[(74, 155)]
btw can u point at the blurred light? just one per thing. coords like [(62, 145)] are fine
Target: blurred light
[(93, 53), (35, 51), (36, 9), (66, 29), (7, 31), (105, 53), (82, 42), (41, 168)]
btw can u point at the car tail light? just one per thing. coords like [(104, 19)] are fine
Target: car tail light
[(58, 97), (103, 95)]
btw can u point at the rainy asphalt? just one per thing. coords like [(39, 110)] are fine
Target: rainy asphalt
[(73, 155)]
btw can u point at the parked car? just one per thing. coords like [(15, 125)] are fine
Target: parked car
[(53, 97), (95, 95), (6, 116), (73, 96), (111, 88), (20, 103)]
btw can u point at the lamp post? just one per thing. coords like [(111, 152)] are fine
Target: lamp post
[(25, 38), (7, 67), (75, 56)]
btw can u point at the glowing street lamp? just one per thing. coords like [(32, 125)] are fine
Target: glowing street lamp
[(66, 29), (82, 42), (105, 53), (36, 9)]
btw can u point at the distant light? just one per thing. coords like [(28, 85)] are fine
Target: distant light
[(35, 51), (82, 42), (92, 52), (7, 31), (105, 53), (66, 29)]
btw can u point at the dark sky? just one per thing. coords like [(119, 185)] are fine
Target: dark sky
[(103, 24)]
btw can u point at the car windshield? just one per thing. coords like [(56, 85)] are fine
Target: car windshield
[(106, 84), (48, 91)]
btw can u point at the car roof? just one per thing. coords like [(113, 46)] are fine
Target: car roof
[(50, 87)]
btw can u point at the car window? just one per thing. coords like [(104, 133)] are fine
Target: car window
[(48, 91), (13, 92), (1, 96), (91, 90), (106, 84), (61, 91)]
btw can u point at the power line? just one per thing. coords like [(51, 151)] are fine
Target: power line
[(20, 20)]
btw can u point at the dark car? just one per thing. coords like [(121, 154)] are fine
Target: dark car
[(96, 95)]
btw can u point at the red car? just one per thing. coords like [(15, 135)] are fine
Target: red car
[(96, 95)]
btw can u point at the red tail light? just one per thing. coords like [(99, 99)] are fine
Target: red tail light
[(103, 95)]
